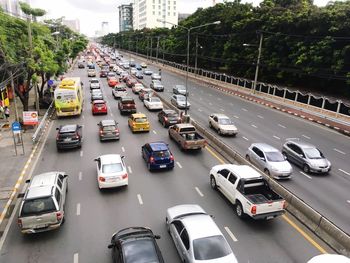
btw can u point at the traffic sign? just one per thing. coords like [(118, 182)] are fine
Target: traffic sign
[(16, 127), (50, 82)]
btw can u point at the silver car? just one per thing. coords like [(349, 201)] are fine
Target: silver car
[(270, 160), (222, 124), (306, 156), (180, 89), (156, 76), (180, 101), (196, 236)]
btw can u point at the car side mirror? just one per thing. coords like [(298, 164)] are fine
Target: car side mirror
[(111, 246), (262, 159), (65, 175), (157, 236), (57, 129), (122, 156), (96, 159), (27, 181)]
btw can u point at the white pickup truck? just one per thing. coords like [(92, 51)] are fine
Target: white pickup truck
[(247, 190)]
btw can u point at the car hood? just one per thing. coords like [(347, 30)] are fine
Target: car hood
[(319, 162), (281, 166)]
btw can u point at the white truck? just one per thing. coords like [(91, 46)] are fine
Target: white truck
[(247, 190)]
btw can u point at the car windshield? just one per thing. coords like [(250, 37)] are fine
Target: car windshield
[(157, 82), (154, 99), (38, 206), (141, 120), (275, 157), (109, 128), (112, 168), (94, 81), (99, 105), (225, 121), (213, 247), (313, 153), (140, 251)]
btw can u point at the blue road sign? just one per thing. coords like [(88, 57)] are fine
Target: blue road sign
[(16, 126), (50, 82)]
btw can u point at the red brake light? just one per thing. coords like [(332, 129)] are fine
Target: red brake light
[(59, 216), (77, 136), (151, 159), (101, 131), (171, 158), (19, 222), (284, 204), (102, 179), (57, 137), (117, 130), (165, 119), (253, 209), (124, 176)]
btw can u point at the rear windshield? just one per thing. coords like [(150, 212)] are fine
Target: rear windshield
[(99, 104), (128, 102), (108, 128), (94, 81), (210, 248), (161, 154), (275, 157), (38, 206), (140, 251), (112, 168), (140, 120)]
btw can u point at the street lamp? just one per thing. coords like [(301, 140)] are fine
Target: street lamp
[(258, 61), (188, 48)]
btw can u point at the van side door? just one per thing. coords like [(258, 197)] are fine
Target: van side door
[(231, 187)]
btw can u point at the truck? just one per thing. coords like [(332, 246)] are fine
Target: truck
[(186, 136), (247, 190)]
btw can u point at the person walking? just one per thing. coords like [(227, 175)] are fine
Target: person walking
[(7, 112)]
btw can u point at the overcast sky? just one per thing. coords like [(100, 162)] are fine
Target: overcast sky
[(92, 13)]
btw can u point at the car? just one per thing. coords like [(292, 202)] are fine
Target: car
[(153, 103), (110, 74), (145, 93), (69, 136), (127, 105), (132, 63), (222, 124), (126, 65), (157, 155), (137, 87), (96, 96), (147, 72), (138, 67), (306, 156), (91, 65), (196, 236), (112, 81), (103, 74), (157, 85), (130, 82), (168, 117), (96, 91), (139, 75), (81, 65), (270, 160), (143, 65), (156, 76), (119, 91), (99, 107), (111, 171), (94, 83), (138, 122), (180, 89), (133, 71), (43, 205), (180, 101), (135, 244), (329, 258), (91, 73), (108, 130)]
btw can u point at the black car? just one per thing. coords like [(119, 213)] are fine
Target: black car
[(168, 118), (139, 75), (81, 65), (135, 244), (69, 136)]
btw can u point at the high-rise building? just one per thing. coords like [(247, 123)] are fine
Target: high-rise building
[(12, 7), (147, 12), (125, 17), (72, 24)]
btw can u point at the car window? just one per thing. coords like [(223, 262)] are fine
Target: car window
[(313, 153), (161, 154), (99, 104), (216, 119), (108, 128), (208, 248), (185, 239), (258, 152), (178, 226), (224, 173), (57, 196), (232, 178), (112, 168), (38, 206), (59, 183), (296, 149), (225, 121)]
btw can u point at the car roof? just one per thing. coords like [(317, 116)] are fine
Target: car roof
[(158, 146), (108, 122), (41, 185), (110, 158), (169, 112), (243, 171), (139, 115), (200, 225), (94, 79), (179, 86), (220, 115), (68, 128), (301, 144), (265, 147), (127, 99)]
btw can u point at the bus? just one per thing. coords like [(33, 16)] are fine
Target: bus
[(69, 97)]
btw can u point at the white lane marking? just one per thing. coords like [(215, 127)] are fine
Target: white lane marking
[(231, 234), (81, 153), (254, 126), (210, 103), (130, 171), (245, 138), (123, 149), (261, 117), (78, 209), (80, 176), (308, 176), (111, 114), (219, 98), (278, 138), (76, 258), (200, 110), (348, 201), (83, 117), (211, 95), (339, 151), (140, 199), (179, 164), (222, 109), (154, 132), (199, 98), (243, 109), (307, 137), (199, 191), (282, 126), (235, 116), (344, 171)]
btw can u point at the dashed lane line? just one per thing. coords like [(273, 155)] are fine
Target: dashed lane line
[(235, 116), (80, 176), (179, 164), (243, 109), (76, 258), (129, 168), (140, 199), (261, 117), (254, 126), (282, 126), (344, 171), (199, 191), (229, 232), (308, 176), (339, 151), (307, 137), (81, 153), (78, 209), (200, 110), (154, 132), (245, 138), (123, 149), (222, 109), (276, 137)]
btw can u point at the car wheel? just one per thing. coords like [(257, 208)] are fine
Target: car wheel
[(239, 210), (149, 167), (285, 155), (210, 125), (213, 182), (167, 224), (306, 168), (267, 172), (219, 132), (247, 158)]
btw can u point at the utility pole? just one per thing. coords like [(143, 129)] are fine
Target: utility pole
[(157, 47), (137, 45), (258, 62), (195, 62), (151, 55), (163, 50), (14, 94)]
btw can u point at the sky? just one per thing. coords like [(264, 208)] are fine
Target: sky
[(92, 13)]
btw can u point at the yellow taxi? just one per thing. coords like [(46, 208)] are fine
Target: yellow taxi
[(138, 122)]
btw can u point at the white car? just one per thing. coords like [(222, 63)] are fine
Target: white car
[(153, 103), (111, 171), (156, 76), (94, 83), (196, 236), (327, 258), (137, 88), (222, 124)]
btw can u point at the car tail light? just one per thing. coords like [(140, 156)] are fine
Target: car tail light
[(117, 130), (101, 132), (151, 159), (19, 222), (77, 136), (165, 119), (102, 179), (59, 216), (171, 158), (284, 204), (57, 137), (253, 209), (124, 176)]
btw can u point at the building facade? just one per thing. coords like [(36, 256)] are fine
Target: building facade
[(72, 24), (125, 17), (146, 13), (12, 7)]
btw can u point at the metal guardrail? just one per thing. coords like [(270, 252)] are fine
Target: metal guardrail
[(40, 127)]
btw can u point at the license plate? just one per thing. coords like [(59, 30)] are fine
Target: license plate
[(162, 166), (41, 226), (141, 129), (113, 180), (99, 108), (269, 217), (324, 170), (67, 139)]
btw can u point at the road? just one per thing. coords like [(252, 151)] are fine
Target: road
[(92, 216), (328, 194)]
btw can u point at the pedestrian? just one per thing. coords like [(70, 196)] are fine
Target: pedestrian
[(7, 112)]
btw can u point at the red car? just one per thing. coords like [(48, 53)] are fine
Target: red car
[(113, 81), (99, 107), (130, 82)]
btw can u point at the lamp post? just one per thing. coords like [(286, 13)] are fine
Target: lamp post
[(258, 60), (188, 48)]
